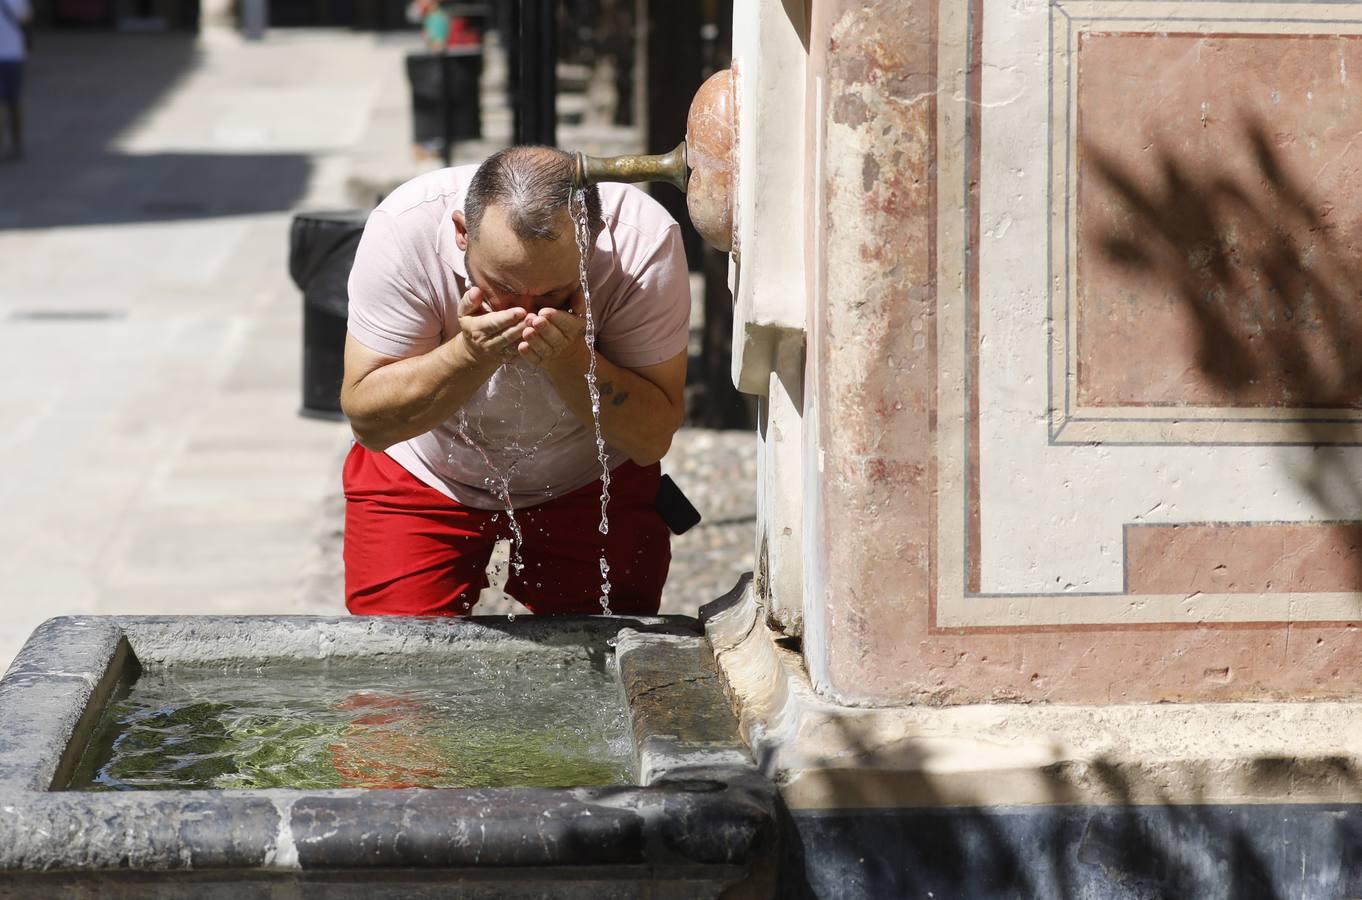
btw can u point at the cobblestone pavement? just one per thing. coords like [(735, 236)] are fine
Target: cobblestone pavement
[(718, 472)]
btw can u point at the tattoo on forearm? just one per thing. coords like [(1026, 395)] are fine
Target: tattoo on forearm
[(605, 388), (620, 398)]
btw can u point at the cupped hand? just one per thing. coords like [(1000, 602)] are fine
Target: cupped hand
[(554, 336), (489, 336)]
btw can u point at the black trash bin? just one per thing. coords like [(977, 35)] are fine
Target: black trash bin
[(446, 93), (321, 252)]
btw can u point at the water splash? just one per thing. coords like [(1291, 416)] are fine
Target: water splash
[(578, 210), (499, 483)]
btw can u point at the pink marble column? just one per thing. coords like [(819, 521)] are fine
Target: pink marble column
[(869, 382)]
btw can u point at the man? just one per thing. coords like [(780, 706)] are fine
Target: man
[(465, 385), (14, 15)]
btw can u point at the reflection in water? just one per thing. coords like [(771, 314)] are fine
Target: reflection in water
[(484, 722)]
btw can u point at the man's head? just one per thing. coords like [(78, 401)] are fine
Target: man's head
[(519, 241)]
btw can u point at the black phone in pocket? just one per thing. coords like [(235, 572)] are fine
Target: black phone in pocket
[(674, 508)]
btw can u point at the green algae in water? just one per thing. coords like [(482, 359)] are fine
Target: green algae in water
[(489, 722)]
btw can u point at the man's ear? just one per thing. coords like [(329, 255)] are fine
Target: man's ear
[(460, 230)]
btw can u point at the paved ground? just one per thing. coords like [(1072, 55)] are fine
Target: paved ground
[(150, 338)]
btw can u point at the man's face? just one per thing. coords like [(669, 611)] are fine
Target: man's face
[(514, 272)]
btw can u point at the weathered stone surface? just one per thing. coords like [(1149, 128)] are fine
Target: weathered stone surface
[(66, 666), (674, 689), (681, 720), (181, 640), (152, 831), (549, 883), (501, 828), (867, 397), (1305, 851)]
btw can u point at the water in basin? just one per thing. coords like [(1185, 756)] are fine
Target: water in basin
[(483, 721)]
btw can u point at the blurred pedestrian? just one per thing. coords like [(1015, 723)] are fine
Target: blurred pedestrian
[(440, 29), (434, 22), (14, 19)]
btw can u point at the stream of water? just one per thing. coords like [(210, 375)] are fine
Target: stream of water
[(581, 219), (498, 483)]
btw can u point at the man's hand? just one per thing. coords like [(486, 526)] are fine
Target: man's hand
[(556, 338), (489, 337)]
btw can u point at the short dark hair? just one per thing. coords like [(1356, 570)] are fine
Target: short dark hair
[(532, 184)]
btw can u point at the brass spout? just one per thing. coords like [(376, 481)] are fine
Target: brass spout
[(669, 167)]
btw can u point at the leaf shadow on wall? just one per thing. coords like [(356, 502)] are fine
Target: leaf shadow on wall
[(1270, 278)]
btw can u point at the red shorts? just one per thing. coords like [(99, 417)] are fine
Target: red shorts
[(410, 550)]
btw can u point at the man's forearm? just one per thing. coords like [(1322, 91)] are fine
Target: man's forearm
[(636, 415), (401, 400)]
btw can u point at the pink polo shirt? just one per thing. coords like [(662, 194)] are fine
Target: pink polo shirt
[(404, 291)]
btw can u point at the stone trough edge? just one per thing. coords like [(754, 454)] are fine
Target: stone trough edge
[(697, 809)]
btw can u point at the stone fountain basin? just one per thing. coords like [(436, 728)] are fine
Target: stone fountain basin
[(698, 821)]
